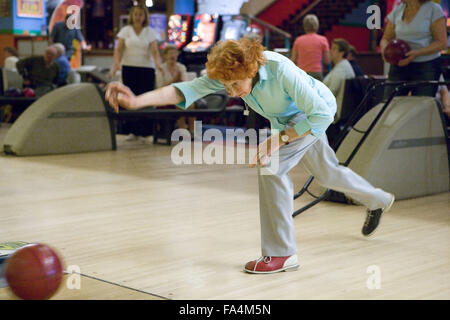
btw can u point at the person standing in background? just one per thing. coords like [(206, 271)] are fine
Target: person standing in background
[(137, 55), (62, 34), (310, 48), (421, 23)]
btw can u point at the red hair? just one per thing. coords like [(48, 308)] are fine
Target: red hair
[(235, 60)]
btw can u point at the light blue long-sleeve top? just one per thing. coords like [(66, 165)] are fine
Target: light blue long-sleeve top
[(283, 91)]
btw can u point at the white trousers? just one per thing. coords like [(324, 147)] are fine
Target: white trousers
[(276, 192)]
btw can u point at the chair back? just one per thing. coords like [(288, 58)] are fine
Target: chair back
[(11, 79), (73, 77)]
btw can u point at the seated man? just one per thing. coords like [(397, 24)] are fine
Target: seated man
[(63, 62), (40, 72), (342, 70)]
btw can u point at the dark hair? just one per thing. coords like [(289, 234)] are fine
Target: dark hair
[(343, 45), (11, 51)]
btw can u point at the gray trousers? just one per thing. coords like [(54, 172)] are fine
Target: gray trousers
[(276, 191)]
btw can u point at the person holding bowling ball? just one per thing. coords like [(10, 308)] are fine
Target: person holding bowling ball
[(421, 23)]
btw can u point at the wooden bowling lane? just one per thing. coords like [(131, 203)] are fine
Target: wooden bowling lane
[(134, 218), (91, 288)]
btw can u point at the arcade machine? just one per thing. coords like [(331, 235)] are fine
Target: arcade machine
[(233, 27), (158, 23), (178, 30), (204, 36)]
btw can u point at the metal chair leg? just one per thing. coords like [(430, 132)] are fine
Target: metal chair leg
[(312, 203), (305, 187)]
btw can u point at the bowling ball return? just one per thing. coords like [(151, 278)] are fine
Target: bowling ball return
[(76, 118), (400, 145)]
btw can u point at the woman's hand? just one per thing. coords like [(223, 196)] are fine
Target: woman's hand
[(265, 149), (118, 94), (410, 56)]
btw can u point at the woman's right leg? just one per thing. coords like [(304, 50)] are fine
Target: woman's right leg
[(276, 200), (321, 161)]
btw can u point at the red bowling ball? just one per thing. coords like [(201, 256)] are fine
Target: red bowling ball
[(395, 51), (34, 272), (28, 92)]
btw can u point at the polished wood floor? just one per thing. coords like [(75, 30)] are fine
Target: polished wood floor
[(140, 227)]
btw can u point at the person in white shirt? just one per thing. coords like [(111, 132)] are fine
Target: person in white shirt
[(173, 72), (137, 50), (342, 70), (11, 58), (137, 55)]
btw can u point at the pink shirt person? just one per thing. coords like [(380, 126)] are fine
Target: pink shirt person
[(310, 48)]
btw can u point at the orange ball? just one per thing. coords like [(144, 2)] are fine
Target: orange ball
[(34, 272)]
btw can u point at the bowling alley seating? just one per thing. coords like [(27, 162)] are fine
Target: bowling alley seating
[(93, 74), (73, 77), (10, 79), (212, 105), (11, 84), (76, 118)]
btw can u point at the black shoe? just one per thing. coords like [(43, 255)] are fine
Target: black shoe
[(373, 218)]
